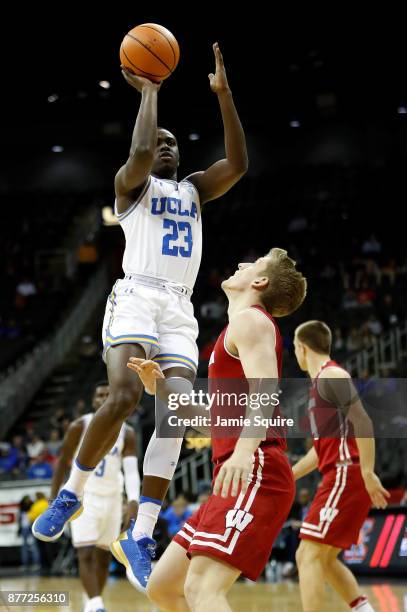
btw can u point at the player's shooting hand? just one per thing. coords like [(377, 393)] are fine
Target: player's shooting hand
[(131, 513), (149, 371), (138, 82), (218, 81), (234, 475), (377, 492)]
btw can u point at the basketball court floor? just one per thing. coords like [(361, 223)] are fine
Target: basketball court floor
[(120, 596)]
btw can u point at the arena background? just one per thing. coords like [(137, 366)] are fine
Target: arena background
[(325, 114)]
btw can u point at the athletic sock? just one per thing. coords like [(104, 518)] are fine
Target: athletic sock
[(361, 604), (147, 516), (96, 603), (78, 478)]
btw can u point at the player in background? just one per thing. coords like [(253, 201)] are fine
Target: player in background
[(349, 484), (149, 313), (99, 524), (233, 532)]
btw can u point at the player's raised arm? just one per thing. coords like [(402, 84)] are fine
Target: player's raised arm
[(63, 465), (252, 336), (223, 174), (136, 170)]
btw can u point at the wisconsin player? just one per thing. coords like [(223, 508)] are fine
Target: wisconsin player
[(349, 484), (99, 524), (149, 313), (233, 532)]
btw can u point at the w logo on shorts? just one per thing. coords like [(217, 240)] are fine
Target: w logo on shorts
[(238, 519), (328, 514)]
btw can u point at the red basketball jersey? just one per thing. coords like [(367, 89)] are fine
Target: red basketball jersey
[(223, 367), (333, 435)]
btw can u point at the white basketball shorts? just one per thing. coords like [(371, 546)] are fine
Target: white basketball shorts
[(99, 524), (161, 321)]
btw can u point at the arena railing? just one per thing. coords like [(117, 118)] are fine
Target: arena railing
[(23, 381)]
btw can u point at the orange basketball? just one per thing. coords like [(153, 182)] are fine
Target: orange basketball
[(151, 51)]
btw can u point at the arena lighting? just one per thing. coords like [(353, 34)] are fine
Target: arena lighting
[(104, 84), (295, 123), (194, 136), (402, 110), (53, 98), (57, 149)]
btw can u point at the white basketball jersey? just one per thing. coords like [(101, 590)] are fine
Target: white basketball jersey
[(107, 477), (163, 231)]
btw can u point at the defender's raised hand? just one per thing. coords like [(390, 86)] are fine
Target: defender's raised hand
[(218, 81)]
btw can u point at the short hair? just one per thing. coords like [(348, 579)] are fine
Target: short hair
[(100, 383), (287, 286), (316, 335)]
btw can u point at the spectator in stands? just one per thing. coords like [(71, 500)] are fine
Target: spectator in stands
[(40, 468), (213, 309), (57, 418), (19, 455), (176, 514), (349, 300), (35, 446), (339, 342), (388, 312), (26, 288), (29, 546), (371, 246), (354, 341), (204, 492), (54, 443), (366, 295), (374, 326), (80, 409)]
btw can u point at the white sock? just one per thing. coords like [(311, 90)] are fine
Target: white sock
[(78, 478), (361, 605), (96, 603), (147, 516)]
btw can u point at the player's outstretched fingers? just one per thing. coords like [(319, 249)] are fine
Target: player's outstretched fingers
[(227, 481), (219, 481), (244, 480), (237, 477), (133, 366)]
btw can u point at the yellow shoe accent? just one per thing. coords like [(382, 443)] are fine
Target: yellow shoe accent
[(76, 515), (117, 552)]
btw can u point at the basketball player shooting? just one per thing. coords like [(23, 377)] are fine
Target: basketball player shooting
[(232, 534), (149, 313), (344, 452)]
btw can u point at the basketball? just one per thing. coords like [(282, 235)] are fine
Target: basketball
[(151, 51)]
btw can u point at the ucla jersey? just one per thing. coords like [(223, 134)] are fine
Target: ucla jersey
[(163, 231), (107, 477)]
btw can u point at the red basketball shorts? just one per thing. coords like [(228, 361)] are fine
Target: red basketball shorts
[(339, 508), (241, 530)]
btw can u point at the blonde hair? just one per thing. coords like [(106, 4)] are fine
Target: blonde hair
[(287, 286)]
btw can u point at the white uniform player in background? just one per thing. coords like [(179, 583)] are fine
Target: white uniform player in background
[(99, 524), (149, 313)]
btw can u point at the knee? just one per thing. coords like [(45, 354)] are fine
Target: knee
[(123, 400), (162, 594), (197, 593), (308, 552)]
